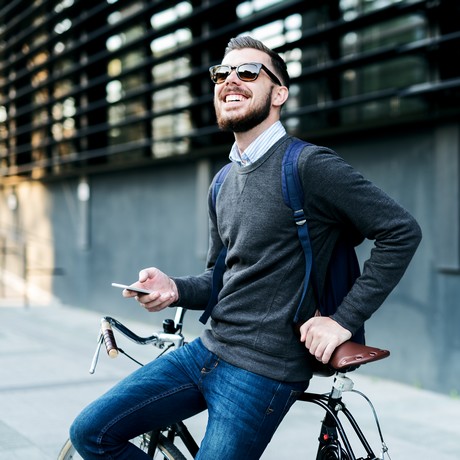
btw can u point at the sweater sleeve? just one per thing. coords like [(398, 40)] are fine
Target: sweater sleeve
[(339, 196)]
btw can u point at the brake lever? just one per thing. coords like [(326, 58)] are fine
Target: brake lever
[(96, 354)]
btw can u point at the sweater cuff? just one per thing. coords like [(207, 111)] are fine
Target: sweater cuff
[(348, 317), (178, 283)]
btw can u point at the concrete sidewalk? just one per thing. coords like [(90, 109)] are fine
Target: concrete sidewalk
[(45, 353)]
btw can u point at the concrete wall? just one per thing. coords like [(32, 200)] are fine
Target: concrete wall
[(138, 218)]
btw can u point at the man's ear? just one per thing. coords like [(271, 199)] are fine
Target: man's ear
[(279, 95)]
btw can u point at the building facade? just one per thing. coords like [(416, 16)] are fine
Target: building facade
[(108, 143)]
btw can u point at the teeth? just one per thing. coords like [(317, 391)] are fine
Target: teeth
[(233, 98)]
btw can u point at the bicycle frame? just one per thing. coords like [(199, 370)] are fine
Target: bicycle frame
[(332, 434), (177, 429), (331, 425)]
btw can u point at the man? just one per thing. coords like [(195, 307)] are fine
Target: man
[(247, 369)]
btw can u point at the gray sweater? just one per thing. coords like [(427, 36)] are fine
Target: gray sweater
[(252, 323)]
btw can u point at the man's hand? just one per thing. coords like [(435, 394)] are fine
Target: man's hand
[(164, 290), (322, 335)]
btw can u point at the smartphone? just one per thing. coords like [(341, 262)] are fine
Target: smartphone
[(131, 288)]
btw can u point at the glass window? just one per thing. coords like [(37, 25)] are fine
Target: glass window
[(164, 18), (130, 79), (384, 73)]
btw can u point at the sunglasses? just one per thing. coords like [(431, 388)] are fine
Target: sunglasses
[(245, 72)]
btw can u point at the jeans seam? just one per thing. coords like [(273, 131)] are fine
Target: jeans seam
[(269, 411), (133, 409)]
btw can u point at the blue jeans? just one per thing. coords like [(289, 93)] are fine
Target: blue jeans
[(244, 409)]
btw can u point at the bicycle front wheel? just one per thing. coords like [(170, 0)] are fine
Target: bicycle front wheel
[(165, 449)]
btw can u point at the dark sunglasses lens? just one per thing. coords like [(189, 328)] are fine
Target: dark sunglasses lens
[(248, 72), (220, 73)]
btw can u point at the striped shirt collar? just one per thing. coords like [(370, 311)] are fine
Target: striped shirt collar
[(259, 146)]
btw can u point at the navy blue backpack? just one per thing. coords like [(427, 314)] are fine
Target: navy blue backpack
[(343, 268)]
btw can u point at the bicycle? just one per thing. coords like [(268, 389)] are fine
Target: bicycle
[(334, 443)]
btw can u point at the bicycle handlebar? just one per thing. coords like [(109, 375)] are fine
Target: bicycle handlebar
[(158, 339), (171, 334), (109, 339)]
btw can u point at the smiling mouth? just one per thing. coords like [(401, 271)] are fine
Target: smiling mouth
[(235, 98)]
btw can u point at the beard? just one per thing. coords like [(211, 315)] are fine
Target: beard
[(243, 123)]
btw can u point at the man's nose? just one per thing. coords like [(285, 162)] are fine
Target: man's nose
[(232, 77)]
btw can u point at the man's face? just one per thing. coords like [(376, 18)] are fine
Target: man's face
[(241, 106)]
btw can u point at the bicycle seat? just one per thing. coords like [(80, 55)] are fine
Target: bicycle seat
[(348, 357)]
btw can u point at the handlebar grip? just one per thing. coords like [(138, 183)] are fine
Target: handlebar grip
[(109, 339)]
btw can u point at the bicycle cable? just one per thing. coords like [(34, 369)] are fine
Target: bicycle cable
[(130, 357), (138, 362), (374, 412)]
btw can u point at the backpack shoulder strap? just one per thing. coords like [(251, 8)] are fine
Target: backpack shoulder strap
[(219, 265), (220, 177), (343, 268), (293, 197)]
